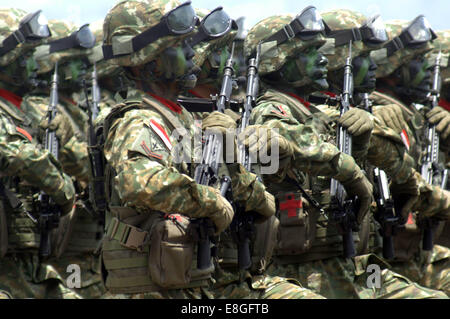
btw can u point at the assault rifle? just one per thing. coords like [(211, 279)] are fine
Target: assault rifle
[(430, 161), (49, 212), (242, 225), (207, 172), (343, 208), (386, 215), (97, 190)]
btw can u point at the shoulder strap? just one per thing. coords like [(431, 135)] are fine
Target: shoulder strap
[(393, 101)]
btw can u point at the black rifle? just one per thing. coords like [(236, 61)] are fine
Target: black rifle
[(49, 212), (342, 207), (242, 225), (207, 172), (430, 161), (97, 188), (386, 214)]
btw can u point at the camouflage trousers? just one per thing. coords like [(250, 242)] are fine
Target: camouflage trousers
[(339, 278), (188, 293), (23, 276), (236, 285), (431, 270)]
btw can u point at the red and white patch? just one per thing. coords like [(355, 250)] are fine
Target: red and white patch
[(24, 133), (158, 129), (405, 139), (283, 112)]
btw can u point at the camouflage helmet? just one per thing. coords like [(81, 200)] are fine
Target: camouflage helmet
[(104, 67), (274, 56), (441, 44), (46, 60), (388, 64), (130, 18), (9, 22), (342, 19)]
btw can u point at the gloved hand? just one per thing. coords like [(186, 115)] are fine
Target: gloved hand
[(406, 194), (391, 116), (361, 187), (64, 197), (219, 122), (62, 127), (223, 214), (441, 118), (357, 122), (433, 202), (249, 192), (260, 139)]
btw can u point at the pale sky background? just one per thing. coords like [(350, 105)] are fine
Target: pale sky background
[(87, 11)]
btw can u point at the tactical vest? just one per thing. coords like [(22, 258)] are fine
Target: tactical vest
[(304, 234), (147, 251), (18, 231)]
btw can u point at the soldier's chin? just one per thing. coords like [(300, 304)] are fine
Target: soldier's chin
[(187, 82), (321, 84)]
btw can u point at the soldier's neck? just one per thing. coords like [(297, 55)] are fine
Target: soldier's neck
[(169, 91)]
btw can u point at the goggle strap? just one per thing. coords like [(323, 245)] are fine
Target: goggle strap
[(139, 41), (150, 35), (283, 35), (63, 44), (343, 37), (197, 38), (394, 45), (11, 42)]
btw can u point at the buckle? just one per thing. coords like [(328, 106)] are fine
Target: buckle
[(356, 34), (288, 31), (135, 239), (19, 36)]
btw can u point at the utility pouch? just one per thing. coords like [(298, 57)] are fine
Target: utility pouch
[(297, 226), (172, 251)]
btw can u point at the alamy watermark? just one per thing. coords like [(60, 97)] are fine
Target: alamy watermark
[(74, 279), (374, 279)]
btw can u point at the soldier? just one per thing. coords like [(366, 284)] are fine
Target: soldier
[(404, 78), (25, 273), (313, 254), (232, 282), (78, 236)]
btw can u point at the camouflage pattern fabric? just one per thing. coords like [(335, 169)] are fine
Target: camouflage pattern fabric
[(9, 22), (129, 18), (339, 278), (229, 286), (343, 20), (273, 57), (442, 43), (431, 270)]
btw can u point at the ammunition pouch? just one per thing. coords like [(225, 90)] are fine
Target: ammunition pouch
[(150, 252)]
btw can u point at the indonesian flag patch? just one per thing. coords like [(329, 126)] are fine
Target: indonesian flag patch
[(405, 139), (159, 130)]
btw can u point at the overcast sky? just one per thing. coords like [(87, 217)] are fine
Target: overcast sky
[(85, 11)]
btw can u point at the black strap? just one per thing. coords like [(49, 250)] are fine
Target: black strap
[(343, 37), (394, 45), (139, 41), (63, 44), (11, 42)]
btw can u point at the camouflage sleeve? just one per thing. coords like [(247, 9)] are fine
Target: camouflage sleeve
[(74, 159), (20, 157), (388, 152), (433, 200), (146, 178), (311, 153)]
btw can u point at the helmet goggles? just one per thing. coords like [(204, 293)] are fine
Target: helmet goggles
[(82, 38), (373, 32), (179, 21), (214, 25), (416, 34), (31, 28)]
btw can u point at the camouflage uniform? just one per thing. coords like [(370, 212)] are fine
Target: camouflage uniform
[(316, 262), (78, 237), (24, 274), (427, 268)]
